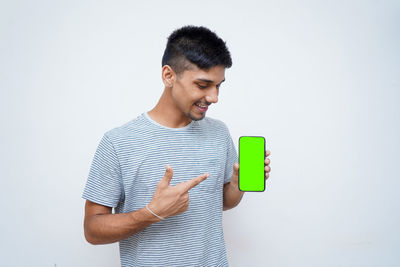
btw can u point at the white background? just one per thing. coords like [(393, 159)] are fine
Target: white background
[(320, 80)]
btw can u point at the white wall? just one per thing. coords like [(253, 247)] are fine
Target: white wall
[(320, 80)]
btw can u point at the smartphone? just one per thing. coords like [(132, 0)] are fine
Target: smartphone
[(251, 163)]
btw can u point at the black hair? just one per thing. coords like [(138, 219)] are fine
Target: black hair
[(197, 45)]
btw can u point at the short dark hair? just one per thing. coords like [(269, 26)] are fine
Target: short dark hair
[(197, 45)]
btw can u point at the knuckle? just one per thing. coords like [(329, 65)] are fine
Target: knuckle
[(182, 192)]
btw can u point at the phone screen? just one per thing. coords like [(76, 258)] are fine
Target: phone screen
[(251, 163)]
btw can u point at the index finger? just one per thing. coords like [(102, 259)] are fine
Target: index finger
[(186, 186)]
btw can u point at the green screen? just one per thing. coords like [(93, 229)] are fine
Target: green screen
[(251, 163)]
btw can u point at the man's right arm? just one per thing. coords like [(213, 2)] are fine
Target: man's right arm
[(103, 227)]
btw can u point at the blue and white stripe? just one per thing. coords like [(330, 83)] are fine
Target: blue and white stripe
[(129, 162)]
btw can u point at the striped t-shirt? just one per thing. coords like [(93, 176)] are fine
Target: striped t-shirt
[(129, 162)]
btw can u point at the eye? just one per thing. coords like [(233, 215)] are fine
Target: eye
[(201, 87)]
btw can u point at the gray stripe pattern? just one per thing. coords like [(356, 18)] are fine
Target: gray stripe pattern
[(129, 162)]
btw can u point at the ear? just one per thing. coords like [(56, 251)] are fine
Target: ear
[(168, 76)]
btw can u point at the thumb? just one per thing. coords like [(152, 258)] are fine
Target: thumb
[(235, 170), (168, 174)]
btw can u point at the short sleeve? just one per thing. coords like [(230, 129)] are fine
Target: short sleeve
[(104, 185), (231, 159)]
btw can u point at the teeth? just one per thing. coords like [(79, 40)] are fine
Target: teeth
[(201, 106)]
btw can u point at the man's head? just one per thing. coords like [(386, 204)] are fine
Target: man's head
[(195, 45), (193, 67)]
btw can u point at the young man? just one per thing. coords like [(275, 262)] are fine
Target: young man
[(170, 172)]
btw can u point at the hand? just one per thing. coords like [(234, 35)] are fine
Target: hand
[(267, 169), (171, 200), (267, 161)]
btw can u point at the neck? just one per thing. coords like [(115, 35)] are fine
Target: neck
[(167, 113)]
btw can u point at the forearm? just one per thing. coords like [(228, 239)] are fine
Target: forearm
[(110, 228), (232, 196)]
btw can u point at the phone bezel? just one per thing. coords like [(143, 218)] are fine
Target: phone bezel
[(239, 162)]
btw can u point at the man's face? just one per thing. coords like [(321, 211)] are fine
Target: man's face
[(196, 89)]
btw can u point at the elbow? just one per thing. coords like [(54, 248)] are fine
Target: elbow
[(89, 238), (92, 240)]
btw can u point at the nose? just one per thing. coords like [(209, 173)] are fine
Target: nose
[(212, 96)]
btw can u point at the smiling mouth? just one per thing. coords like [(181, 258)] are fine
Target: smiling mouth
[(201, 107)]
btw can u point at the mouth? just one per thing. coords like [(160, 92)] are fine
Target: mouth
[(201, 107)]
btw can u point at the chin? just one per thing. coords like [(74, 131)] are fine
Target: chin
[(196, 117)]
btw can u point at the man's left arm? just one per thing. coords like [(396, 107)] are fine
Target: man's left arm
[(232, 195)]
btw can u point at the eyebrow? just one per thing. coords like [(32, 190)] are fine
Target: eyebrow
[(207, 81)]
